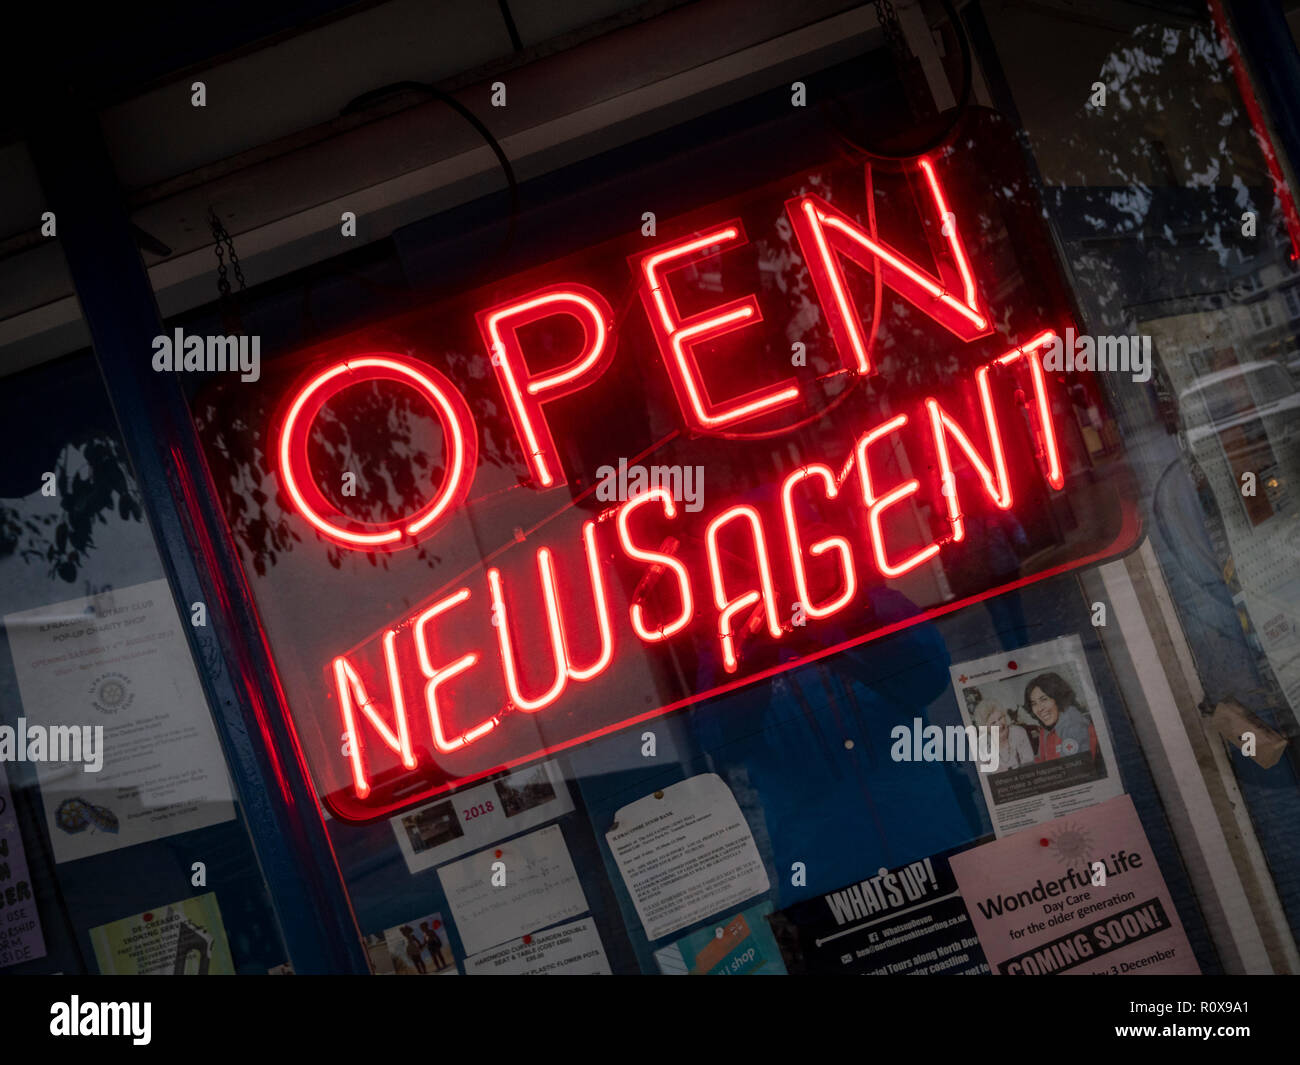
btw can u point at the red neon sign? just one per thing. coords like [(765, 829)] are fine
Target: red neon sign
[(678, 337), (300, 484), (531, 650), (524, 391)]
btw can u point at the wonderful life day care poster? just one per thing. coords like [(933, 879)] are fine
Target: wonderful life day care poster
[(1054, 749), (120, 660), (1081, 894)]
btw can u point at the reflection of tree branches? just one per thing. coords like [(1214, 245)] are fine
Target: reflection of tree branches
[(1172, 117), (382, 434), (87, 495)]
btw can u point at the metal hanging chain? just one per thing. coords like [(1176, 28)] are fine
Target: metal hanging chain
[(229, 303), (915, 88), (888, 19), (906, 64)]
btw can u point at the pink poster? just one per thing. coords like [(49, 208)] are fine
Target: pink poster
[(1081, 894)]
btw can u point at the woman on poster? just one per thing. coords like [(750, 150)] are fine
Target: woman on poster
[(1066, 729)]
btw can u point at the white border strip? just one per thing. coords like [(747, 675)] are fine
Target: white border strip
[(1185, 771)]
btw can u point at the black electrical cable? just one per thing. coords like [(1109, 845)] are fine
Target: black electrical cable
[(511, 28), (941, 138), (367, 99)]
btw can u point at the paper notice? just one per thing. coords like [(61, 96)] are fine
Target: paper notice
[(436, 833), (1054, 750), (569, 950), (1092, 900), (186, 938), (21, 938), (120, 661), (686, 853), (508, 891)]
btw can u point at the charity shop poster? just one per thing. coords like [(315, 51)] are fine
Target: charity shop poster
[(1054, 753), (185, 938), (116, 670), (905, 921), (1081, 894), (739, 945)]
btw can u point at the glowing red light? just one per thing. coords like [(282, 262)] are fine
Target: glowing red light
[(459, 434), (656, 558), (824, 232), (677, 338), (347, 685), (437, 676), (555, 627), (660, 550), (838, 544), (877, 505), (952, 235), (604, 624), (526, 392), (996, 485), (1044, 431), (766, 591)]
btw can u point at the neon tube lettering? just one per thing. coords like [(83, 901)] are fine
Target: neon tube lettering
[(728, 607), (677, 338), (657, 558), (824, 232), (997, 485), (348, 684), (603, 622), (878, 505), (525, 392), (838, 544), (502, 624), (1045, 431), (459, 435), (438, 676)]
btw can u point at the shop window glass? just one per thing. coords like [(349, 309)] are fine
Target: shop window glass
[(122, 845), (1087, 593)]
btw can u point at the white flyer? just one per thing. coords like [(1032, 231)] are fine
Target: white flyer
[(118, 661), (513, 889), (569, 950), (686, 853), (439, 831), (1054, 749)]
